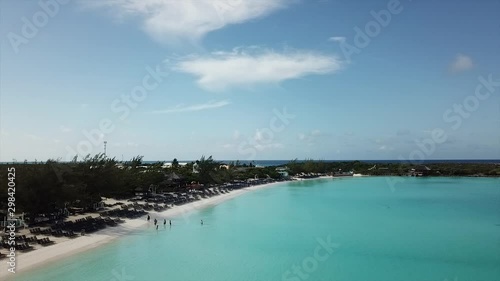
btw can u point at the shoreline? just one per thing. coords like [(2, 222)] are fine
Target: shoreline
[(37, 258)]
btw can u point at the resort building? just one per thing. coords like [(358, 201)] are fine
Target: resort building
[(283, 171), (420, 171)]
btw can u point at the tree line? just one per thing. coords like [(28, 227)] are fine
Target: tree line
[(49, 186), (46, 187)]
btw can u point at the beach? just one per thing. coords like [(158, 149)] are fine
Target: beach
[(69, 247), (274, 233)]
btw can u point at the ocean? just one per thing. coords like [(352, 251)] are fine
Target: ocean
[(350, 229)]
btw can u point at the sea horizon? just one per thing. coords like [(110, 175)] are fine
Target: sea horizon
[(279, 162)]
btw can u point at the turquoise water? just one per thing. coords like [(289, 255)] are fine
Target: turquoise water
[(424, 229)]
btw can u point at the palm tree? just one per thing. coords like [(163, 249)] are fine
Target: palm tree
[(207, 168)]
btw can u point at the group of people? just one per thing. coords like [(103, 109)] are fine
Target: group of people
[(157, 224), (165, 222)]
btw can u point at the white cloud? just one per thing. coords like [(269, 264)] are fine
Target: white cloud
[(386, 148), (249, 66), (196, 107), (236, 135), (316, 133), (125, 144), (260, 136), (403, 132), (65, 129), (339, 39), (311, 137), (461, 63), (262, 140), (167, 20), (33, 137), (228, 146), (268, 146), (258, 146)]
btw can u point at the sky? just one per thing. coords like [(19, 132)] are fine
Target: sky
[(250, 79)]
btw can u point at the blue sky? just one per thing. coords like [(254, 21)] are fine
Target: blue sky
[(241, 79)]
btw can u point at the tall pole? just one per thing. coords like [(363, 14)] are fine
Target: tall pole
[(105, 142)]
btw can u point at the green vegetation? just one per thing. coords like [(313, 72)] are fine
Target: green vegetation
[(44, 188), (394, 169)]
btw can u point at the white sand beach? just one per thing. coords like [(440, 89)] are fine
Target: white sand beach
[(65, 247)]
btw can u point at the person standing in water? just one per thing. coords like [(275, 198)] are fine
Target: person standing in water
[(157, 227), (164, 222), (201, 222), (156, 221), (170, 222)]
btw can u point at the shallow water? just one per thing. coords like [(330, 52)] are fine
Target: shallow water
[(330, 229)]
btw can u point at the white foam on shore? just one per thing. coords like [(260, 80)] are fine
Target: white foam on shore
[(60, 250)]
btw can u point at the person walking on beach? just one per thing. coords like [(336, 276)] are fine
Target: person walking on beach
[(156, 221), (149, 218), (164, 221)]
